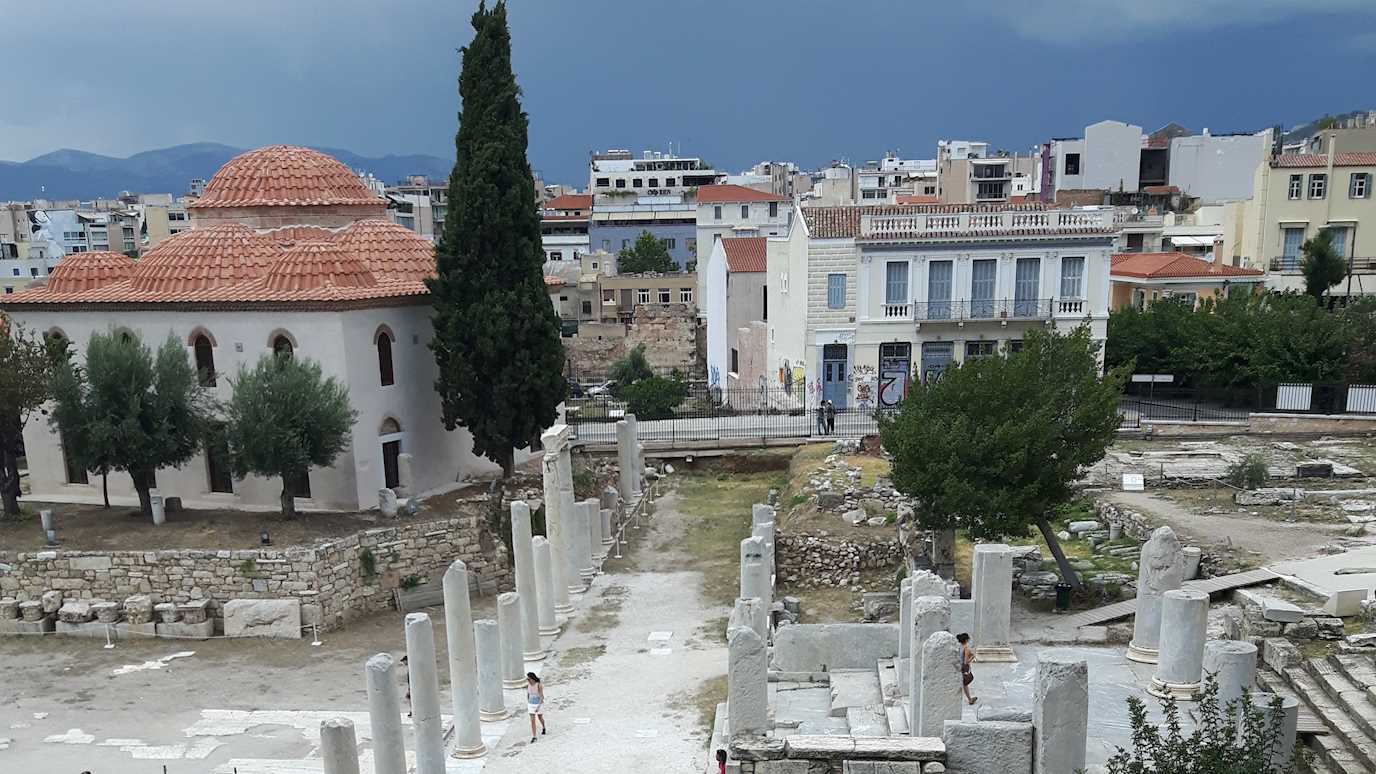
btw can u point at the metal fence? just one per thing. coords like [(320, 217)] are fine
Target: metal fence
[(1186, 404)]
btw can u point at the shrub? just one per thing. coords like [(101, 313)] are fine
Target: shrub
[(628, 370), (1249, 472), (654, 398), (368, 561)]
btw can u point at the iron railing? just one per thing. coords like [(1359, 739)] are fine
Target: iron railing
[(985, 309)]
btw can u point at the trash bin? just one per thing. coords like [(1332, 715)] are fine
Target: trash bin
[(1062, 597)]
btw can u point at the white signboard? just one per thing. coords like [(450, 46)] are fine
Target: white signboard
[(1133, 482), (1153, 378)]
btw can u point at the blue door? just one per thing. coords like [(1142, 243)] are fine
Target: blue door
[(834, 374)]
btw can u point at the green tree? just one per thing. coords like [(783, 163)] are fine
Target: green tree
[(1239, 737), (994, 445), (1321, 264), (131, 409), (25, 367), (655, 397), (629, 370), (647, 254), (1148, 337), (496, 337), (284, 417)]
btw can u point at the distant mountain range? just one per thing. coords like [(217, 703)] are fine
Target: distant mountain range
[(73, 174)]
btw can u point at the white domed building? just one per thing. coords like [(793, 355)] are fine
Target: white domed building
[(287, 250)]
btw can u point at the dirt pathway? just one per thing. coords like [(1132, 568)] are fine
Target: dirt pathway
[(1270, 539), (623, 695)]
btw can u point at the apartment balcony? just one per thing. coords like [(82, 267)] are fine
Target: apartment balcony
[(1136, 221), (968, 310), (1293, 264), (880, 228)]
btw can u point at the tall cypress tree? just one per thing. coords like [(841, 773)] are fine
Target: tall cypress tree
[(496, 334)]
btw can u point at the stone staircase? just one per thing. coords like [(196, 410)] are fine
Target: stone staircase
[(1340, 692)]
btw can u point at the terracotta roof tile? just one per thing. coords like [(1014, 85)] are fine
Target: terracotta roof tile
[(1160, 190), (917, 199), (744, 254), (569, 202), (1300, 160), (200, 258), (388, 249), (1173, 265), (1354, 160), (315, 265), (725, 192), (284, 175), (86, 271)]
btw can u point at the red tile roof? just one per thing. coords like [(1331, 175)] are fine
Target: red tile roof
[(390, 251), (723, 193), (1174, 265), (744, 254), (917, 199), (83, 271), (284, 175), (312, 265), (1301, 160), (570, 202), (1160, 190), (202, 258), (552, 281)]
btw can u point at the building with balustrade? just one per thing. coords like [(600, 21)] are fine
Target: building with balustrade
[(864, 299)]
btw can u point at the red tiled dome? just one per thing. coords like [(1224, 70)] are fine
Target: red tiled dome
[(389, 250), (202, 258), (284, 175), (312, 265), (84, 271)]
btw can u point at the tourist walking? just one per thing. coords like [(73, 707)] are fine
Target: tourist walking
[(822, 418), (831, 418), (535, 702), (966, 675)]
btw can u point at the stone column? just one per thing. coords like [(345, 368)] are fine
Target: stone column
[(463, 682), (574, 530), (406, 478), (1233, 663), (940, 692), (755, 572), (1284, 747), (638, 452), (1060, 713), (1161, 568), (992, 588), (509, 625), (751, 613), (1184, 628), (594, 529), (905, 618), (425, 694), (628, 477), (526, 585), (747, 684), (762, 526), (582, 547), (492, 704), (545, 584), (338, 746), (555, 519), (929, 615), (384, 716), (608, 536)]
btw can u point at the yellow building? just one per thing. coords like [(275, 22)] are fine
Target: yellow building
[(1139, 279)]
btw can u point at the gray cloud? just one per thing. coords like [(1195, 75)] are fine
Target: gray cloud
[(1102, 22)]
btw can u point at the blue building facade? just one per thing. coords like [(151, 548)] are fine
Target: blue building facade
[(615, 226)]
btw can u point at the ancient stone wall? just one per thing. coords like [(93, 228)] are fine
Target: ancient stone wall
[(811, 559), (669, 333), (329, 578)]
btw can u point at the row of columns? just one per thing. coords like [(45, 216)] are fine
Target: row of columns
[(749, 629)]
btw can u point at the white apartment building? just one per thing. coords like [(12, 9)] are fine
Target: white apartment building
[(1217, 168), (883, 181), (1107, 157), (618, 173), (862, 299), (832, 186)]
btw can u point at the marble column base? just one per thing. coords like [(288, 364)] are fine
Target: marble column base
[(1181, 691), (535, 655), (1142, 655), (550, 631), (469, 752), (995, 655), (512, 685), (492, 717)]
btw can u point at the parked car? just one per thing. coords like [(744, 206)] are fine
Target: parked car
[(601, 390)]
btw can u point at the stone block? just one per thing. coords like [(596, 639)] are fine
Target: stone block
[(987, 747), (881, 767), (44, 625), (52, 600), (1303, 629), (312, 614), (1280, 654), (166, 612), (1006, 714), (194, 612), (96, 563), (270, 618), (900, 748), (32, 610), (1328, 627), (1343, 603), (138, 609), (1274, 609), (879, 605), (746, 684), (105, 612), (825, 647), (91, 629), (183, 630), (963, 616), (756, 748), (75, 612), (1076, 527), (791, 767), (136, 631), (816, 747), (9, 609), (934, 767)]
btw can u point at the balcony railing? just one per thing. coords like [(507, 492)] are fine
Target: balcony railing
[(899, 311), (983, 309), (1295, 263), (925, 225)]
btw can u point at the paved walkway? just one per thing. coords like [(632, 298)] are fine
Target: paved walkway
[(622, 682)]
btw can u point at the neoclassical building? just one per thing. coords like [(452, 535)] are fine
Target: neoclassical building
[(287, 250)]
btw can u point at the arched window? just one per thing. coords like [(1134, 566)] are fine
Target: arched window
[(389, 427), (390, 431), (384, 357), (205, 360), (281, 345)]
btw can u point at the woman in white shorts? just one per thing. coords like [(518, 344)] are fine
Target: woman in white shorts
[(535, 702)]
